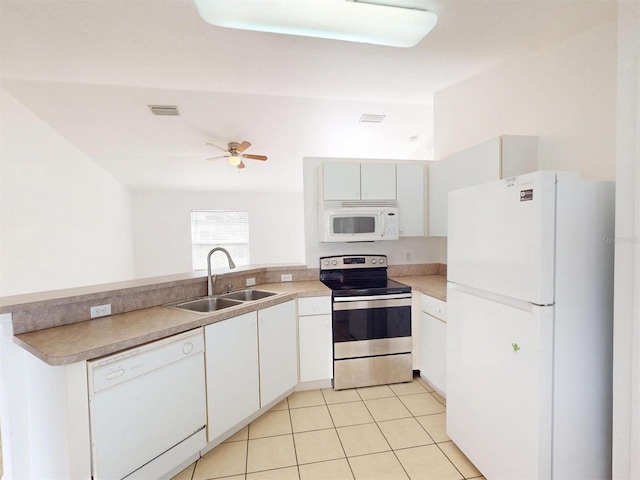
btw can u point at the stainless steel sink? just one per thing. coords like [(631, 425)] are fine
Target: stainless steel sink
[(209, 304), (247, 295)]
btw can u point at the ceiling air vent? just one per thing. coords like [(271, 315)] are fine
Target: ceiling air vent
[(370, 118), (164, 110)]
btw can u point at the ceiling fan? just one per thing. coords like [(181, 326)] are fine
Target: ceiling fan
[(235, 155)]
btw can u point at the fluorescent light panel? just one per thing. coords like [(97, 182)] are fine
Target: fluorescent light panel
[(381, 22)]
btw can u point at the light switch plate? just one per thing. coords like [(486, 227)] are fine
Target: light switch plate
[(286, 277), (251, 282)]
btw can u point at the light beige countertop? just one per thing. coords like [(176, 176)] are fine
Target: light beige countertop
[(89, 339), (95, 338), (432, 285)]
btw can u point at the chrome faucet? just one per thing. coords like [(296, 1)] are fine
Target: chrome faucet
[(211, 279)]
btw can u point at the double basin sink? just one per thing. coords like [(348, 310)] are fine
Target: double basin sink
[(220, 302)]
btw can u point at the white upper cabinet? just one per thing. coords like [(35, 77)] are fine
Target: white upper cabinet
[(341, 181), (412, 194), (501, 157), (378, 181), (359, 181)]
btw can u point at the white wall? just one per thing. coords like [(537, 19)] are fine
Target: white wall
[(66, 222), (626, 357), (414, 250), (565, 95), (162, 227)]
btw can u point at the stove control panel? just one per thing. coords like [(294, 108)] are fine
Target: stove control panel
[(352, 261)]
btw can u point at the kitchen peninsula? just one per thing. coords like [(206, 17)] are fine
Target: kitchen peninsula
[(49, 397)]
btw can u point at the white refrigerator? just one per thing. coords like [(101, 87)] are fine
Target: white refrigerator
[(529, 332)]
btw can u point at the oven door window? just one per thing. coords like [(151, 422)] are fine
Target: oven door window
[(371, 324)]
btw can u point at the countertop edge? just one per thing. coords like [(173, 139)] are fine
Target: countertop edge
[(134, 328)]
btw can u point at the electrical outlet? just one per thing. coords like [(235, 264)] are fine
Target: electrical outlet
[(251, 282), (286, 277), (101, 310)]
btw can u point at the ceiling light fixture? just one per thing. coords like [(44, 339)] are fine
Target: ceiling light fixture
[(234, 160), (396, 23)]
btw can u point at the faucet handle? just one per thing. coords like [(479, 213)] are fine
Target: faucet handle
[(229, 288)]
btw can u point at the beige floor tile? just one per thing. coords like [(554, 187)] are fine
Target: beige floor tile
[(318, 446), (380, 391), (459, 459), (270, 453), (306, 398), (186, 474), (352, 413), (379, 466), (224, 460), (288, 473), (330, 470), (282, 405), (310, 418), (423, 404), (387, 409), (362, 439), (242, 434), (427, 463), (408, 388), (436, 426), (404, 433), (270, 424), (340, 396)]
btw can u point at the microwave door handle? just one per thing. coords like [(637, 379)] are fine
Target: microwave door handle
[(383, 227)]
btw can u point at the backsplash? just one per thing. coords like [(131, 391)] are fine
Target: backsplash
[(29, 312)]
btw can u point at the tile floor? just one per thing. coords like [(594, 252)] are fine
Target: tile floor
[(387, 432)]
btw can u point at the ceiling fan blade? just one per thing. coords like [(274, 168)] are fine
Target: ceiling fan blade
[(217, 146), (243, 146), (254, 157), (241, 165), (215, 158)]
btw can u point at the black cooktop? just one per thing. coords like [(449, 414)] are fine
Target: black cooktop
[(363, 279)]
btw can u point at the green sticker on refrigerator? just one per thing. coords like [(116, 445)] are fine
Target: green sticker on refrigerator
[(515, 347)]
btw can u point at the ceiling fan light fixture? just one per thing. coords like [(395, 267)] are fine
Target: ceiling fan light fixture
[(396, 23), (234, 160)]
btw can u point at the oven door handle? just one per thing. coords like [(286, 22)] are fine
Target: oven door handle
[(370, 304), (360, 298)]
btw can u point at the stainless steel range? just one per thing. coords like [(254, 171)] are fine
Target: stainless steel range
[(371, 320)]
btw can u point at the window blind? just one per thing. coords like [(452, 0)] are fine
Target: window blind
[(218, 228)]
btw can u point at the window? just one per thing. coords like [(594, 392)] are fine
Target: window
[(212, 228)]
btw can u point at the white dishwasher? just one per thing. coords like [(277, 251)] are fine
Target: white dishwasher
[(148, 408)]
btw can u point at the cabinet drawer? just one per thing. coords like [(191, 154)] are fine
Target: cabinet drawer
[(314, 305), (434, 307)]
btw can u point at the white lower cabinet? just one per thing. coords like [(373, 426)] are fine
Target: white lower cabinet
[(233, 385), (315, 342), (278, 350), (433, 334), (251, 360)]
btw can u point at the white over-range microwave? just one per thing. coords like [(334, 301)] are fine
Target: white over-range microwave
[(358, 224)]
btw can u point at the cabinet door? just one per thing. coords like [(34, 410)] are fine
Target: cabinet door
[(232, 372), (316, 352), (411, 193), (278, 336), (378, 181), (433, 350), (341, 181), (479, 164)]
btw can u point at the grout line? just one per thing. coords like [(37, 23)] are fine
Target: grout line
[(334, 427)]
